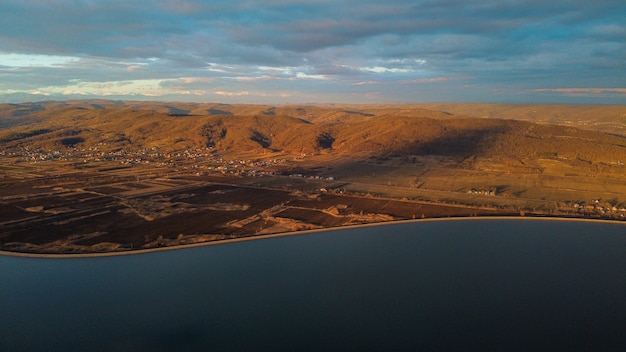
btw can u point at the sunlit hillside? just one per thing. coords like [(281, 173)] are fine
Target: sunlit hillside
[(377, 130)]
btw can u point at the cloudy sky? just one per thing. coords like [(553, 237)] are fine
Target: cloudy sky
[(292, 51)]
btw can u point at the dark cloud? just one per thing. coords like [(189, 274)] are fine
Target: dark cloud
[(311, 46)]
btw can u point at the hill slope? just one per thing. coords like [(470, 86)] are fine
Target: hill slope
[(381, 130)]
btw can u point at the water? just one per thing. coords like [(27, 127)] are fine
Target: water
[(457, 285)]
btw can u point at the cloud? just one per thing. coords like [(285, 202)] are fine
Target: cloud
[(363, 83), (186, 81), (34, 60), (231, 94), (582, 91), (302, 75), (425, 80), (312, 48), (131, 68), (381, 69)]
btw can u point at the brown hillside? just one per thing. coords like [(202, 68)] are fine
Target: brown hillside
[(381, 130), (609, 119)]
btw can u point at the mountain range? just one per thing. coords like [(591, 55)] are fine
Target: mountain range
[(342, 130)]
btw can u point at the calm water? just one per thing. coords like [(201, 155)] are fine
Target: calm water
[(458, 285)]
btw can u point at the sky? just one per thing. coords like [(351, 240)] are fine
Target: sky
[(315, 51)]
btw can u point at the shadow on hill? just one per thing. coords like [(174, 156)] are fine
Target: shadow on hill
[(360, 113), (71, 141), (263, 140), (213, 132), (218, 112), (325, 140), (27, 109), (20, 135), (454, 145), (461, 144), (178, 112)]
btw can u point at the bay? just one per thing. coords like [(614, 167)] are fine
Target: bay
[(464, 284)]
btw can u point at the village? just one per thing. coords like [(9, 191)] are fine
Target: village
[(207, 161), (200, 161), (191, 159)]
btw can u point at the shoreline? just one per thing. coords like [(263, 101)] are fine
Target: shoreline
[(293, 233)]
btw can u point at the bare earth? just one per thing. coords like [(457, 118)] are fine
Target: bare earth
[(92, 187)]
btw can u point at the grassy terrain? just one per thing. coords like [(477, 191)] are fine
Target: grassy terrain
[(103, 175)]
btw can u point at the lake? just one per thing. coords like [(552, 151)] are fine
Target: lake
[(444, 285)]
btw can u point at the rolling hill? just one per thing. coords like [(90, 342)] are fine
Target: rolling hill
[(343, 131)]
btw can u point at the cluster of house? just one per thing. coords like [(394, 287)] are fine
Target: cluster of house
[(235, 170), (482, 191), (202, 160), (202, 157), (313, 177), (236, 167), (38, 155), (598, 207), (251, 169), (94, 154)]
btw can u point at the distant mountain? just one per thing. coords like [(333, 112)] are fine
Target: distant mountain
[(16, 98)]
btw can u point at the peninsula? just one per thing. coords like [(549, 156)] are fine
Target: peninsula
[(97, 176)]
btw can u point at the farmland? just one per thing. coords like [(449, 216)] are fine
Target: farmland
[(123, 177)]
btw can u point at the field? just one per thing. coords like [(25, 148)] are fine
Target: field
[(82, 213), (75, 179)]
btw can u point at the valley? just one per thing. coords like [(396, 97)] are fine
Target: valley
[(103, 176)]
